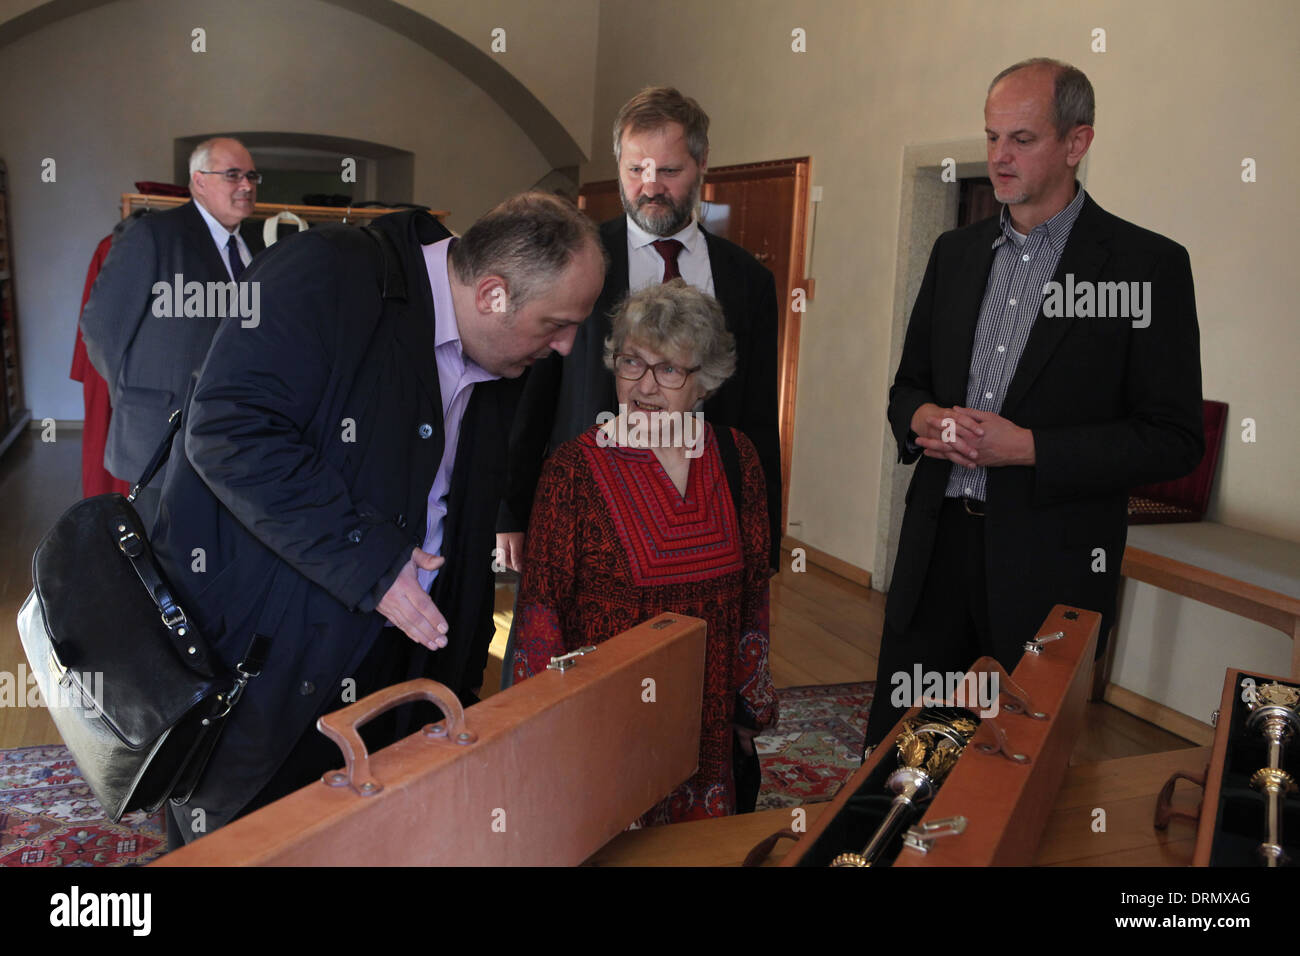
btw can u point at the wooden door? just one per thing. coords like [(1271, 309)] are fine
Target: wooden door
[(762, 207)]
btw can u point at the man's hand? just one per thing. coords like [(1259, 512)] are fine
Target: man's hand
[(971, 438), (510, 546), (949, 433), (1003, 442), (407, 605)]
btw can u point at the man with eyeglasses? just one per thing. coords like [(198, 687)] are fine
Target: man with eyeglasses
[(147, 358), (661, 144)]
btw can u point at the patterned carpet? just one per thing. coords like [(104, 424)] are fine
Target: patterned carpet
[(48, 816), (818, 743)]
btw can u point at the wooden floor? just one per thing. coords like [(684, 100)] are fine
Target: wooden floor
[(825, 629)]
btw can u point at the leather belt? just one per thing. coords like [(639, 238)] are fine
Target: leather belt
[(973, 506)]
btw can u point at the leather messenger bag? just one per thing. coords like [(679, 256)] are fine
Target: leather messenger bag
[(133, 688)]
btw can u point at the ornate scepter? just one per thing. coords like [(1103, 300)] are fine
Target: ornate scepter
[(927, 751), (1273, 714)]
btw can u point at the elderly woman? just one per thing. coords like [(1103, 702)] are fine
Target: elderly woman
[(637, 516)]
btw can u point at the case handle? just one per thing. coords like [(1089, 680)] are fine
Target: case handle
[(1164, 802), (343, 726)]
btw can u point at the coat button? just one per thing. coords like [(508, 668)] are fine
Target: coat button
[(426, 430), (306, 688), (401, 521), (355, 535)]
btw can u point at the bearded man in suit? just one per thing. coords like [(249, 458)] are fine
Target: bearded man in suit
[(661, 144), (1032, 416), (144, 352)]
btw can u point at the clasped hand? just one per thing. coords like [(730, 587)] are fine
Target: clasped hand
[(410, 608), (971, 438)]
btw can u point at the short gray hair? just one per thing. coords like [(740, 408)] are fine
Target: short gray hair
[(1073, 102), (528, 240), (677, 317), (656, 107)]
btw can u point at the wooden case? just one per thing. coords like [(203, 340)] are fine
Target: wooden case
[(551, 769), (1006, 803), (1232, 816)]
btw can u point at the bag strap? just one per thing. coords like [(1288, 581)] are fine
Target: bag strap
[(160, 455), (189, 647), (730, 464)]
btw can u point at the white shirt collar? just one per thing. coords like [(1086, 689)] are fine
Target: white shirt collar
[(220, 234), (690, 235)]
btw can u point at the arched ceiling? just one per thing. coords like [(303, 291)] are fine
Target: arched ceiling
[(560, 126)]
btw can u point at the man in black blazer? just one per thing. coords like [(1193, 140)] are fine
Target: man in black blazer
[(661, 145), (347, 453), (1051, 363), (145, 336)]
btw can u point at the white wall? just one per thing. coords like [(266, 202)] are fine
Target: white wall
[(106, 92), (1186, 89)]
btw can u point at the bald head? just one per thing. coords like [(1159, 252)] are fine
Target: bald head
[(229, 201), (1072, 100), (1032, 164)]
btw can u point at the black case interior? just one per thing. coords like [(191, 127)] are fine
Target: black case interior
[(853, 827), (1240, 823)]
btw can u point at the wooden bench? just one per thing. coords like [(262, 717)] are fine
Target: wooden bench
[(1244, 573)]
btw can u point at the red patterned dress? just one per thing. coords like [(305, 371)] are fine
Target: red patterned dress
[(612, 543)]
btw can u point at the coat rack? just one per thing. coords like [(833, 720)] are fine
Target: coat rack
[(264, 210)]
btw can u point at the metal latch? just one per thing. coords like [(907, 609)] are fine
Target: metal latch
[(922, 835), (1037, 644), (565, 661), (57, 668)]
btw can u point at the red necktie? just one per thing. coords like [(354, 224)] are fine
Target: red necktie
[(669, 250)]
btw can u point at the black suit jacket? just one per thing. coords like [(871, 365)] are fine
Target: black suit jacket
[(1110, 406), (310, 445), (147, 360), (564, 394)]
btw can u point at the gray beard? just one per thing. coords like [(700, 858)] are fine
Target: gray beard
[(681, 214)]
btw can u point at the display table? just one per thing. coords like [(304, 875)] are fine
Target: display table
[(1124, 788)]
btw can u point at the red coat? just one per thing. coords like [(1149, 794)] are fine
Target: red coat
[(99, 409)]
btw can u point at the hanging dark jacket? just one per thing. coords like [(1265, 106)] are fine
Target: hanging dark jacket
[(310, 445)]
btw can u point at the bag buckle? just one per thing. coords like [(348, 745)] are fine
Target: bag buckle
[(172, 616)]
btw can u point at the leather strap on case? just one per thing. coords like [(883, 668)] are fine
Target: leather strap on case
[(1164, 803), (763, 849)]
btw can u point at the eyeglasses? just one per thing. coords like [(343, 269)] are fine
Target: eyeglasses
[(234, 175), (666, 374)]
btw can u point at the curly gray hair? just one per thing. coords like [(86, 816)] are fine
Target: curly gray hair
[(679, 318)]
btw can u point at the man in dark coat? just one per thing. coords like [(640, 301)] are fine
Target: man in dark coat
[(144, 347), (338, 452), (1051, 362), (661, 144)]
